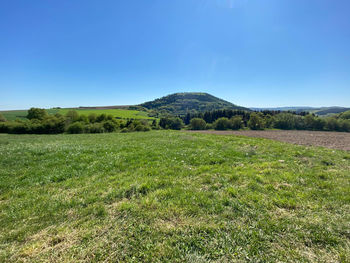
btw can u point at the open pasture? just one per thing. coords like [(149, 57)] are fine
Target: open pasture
[(21, 114), (167, 196), (118, 113)]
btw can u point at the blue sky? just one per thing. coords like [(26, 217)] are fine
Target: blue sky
[(112, 52)]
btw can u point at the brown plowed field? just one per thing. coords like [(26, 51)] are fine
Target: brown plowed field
[(332, 140)]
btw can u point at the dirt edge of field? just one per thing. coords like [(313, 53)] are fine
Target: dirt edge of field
[(331, 140)]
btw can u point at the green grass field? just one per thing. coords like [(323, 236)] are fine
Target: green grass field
[(21, 114), (119, 113), (167, 196)]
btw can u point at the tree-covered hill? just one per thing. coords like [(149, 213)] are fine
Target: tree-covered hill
[(182, 103)]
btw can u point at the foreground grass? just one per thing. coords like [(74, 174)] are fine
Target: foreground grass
[(171, 196)]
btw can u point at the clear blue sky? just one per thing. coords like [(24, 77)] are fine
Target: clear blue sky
[(110, 52)]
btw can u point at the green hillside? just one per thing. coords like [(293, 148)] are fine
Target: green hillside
[(181, 103)]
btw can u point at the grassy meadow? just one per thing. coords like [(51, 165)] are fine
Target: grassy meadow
[(21, 114), (118, 113), (171, 196)]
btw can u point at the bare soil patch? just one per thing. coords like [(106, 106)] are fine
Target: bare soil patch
[(332, 140)]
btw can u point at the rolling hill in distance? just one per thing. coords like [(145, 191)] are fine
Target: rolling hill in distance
[(175, 104)]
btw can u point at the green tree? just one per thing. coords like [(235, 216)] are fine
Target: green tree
[(222, 124), (76, 127), (236, 122), (256, 122), (198, 124), (176, 124), (110, 126), (36, 113)]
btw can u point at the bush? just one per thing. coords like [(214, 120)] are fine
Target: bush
[(2, 118), (332, 124), (236, 122), (198, 124), (110, 126), (256, 122), (92, 117), (222, 124), (76, 127), (102, 117), (4, 127), (36, 113), (284, 121), (52, 125), (72, 116), (209, 126), (94, 128), (174, 123)]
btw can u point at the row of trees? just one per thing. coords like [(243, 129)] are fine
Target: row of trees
[(283, 120), (39, 122), (212, 116)]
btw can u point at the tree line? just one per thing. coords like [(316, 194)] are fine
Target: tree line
[(224, 120), (38, 121)]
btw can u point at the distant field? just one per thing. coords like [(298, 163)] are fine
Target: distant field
[(21, 114), (167, 196), (119, 113)]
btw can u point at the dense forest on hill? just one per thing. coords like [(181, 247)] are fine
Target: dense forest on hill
[(189, 102)]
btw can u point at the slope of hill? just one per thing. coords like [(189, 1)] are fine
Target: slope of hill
[(181, 103)]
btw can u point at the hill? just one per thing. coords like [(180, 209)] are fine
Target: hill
[(182, 103)]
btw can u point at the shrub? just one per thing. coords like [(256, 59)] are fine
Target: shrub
[(52, 125), (94, 128), (4, 127), (222, 124), (209, 126), (344, 125), (332, 124), (139, 127), (92, 117), (83, 118), (110, 126), (174, 123), (284, 121), (256, 122), (236, 122), (102, 117), (72, 116), (76, 127), (197, 124), (36, 113), (2, 118), (124, 130)]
